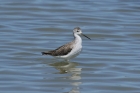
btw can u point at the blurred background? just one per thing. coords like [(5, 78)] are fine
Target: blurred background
[(109, 63)]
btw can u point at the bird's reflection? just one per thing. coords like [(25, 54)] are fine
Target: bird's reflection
[(64, 67), (70, 67)]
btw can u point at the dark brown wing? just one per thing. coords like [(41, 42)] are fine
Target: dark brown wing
[(62, 50)]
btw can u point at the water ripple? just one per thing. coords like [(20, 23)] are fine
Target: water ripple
[(108, 63)]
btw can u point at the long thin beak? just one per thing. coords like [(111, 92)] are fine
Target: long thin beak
[(86, 36)]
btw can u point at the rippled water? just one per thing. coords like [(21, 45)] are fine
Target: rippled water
[(109, 63)]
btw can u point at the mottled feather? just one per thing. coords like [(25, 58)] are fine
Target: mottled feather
[(60, 51)]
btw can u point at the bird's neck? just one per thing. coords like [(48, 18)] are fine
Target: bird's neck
[(77, 39)]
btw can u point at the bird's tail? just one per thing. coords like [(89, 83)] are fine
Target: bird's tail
[(45, 53)]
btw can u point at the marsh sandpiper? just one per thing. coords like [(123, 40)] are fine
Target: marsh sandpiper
[(69, 50)]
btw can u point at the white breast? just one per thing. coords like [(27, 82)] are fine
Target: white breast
[(75, 51), (77, 47)]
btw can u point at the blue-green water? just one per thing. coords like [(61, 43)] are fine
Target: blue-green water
[(109, 63)]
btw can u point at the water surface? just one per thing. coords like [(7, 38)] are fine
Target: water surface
[(109, 63)]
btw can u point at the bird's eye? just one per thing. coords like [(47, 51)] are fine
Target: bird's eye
[(77, 31)]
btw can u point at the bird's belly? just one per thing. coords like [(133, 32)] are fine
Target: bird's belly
[(75, 52)]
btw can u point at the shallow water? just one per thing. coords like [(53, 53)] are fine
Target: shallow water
[(109, 63)]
